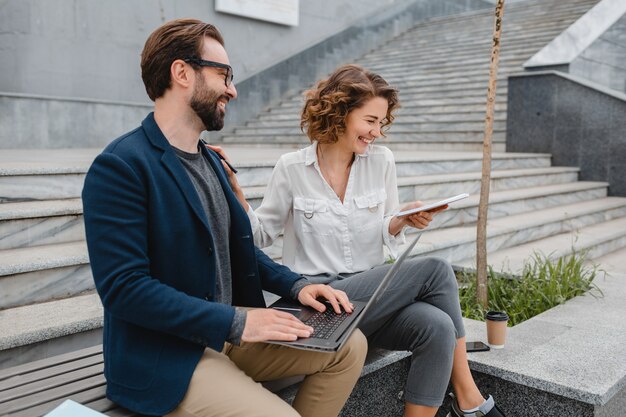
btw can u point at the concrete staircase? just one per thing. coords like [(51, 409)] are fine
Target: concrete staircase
[(47, 302), (441, 68)]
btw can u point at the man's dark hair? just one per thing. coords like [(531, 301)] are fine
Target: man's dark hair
[(177, 39)]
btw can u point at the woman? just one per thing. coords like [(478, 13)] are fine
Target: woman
[(335, 201)]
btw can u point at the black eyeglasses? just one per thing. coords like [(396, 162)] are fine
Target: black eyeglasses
[(228, 77)]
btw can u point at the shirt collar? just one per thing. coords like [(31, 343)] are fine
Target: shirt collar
[(311, 154)]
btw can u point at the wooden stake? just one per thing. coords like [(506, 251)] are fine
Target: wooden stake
[(481, 227)]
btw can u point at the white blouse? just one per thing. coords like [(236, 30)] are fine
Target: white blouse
[(322, 234)]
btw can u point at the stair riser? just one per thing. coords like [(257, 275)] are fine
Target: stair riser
[(40, 187), (254, 176), (439, 190), (460, 127), (454, 70), (41, 231), (607, 247), (467, 250), (446, 141), (277, 113), (420, 92), (469, 215), (403, 119), (47, 284), (410, 169), (295, 106), (414, 146)]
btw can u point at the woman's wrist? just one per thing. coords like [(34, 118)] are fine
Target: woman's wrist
[(395, 226)]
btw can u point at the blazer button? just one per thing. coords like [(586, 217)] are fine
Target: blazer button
[(208, 296), (210, 251)]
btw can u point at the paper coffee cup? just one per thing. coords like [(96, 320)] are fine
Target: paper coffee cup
[(496, 328)]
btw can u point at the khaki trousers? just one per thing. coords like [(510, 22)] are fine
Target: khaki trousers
[(225, 384)]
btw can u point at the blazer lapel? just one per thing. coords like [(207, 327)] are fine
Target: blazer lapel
[(175, 167)]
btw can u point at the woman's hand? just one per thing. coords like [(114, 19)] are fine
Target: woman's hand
[(232, 178), (419, 220)]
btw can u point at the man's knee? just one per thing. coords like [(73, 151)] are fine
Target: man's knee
[(353, 353)]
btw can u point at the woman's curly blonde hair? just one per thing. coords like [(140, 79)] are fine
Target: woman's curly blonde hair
[(329, 103)]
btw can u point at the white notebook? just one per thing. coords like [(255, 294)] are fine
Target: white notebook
[(71, 408)]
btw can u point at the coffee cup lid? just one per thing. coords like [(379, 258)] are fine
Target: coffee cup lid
[(496, 316)]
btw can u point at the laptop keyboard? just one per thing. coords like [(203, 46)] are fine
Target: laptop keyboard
[(324, 324)]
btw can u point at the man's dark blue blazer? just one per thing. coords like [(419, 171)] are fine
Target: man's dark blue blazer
[(153, 260)]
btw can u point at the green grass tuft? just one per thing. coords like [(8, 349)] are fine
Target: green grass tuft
[(543, 284)]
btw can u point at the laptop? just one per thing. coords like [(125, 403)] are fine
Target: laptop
[(332, 330)]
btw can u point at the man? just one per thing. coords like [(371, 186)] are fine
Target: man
[(171, 251)]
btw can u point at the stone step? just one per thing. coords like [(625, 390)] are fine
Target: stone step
[(613, 262), (517, 44), (598, 239), (442, 185), (403, 127), (393, 136), (449, 89), (531, 30), (449, 57), (42, 273), (410, 47), (48, 174), (41, 186), (38, 330), (405, 119), (411, 101), (35, 223), (453, 68), (415, 110), (528, 13), (439, 30), (423, 146), (296, 105), (417, 93)]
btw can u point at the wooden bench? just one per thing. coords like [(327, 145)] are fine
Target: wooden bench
[(36, 388)]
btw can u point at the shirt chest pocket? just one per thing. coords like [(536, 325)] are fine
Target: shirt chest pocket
[(313, 216), (369, 210)]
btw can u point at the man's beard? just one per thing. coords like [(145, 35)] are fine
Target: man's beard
[(204, 103)]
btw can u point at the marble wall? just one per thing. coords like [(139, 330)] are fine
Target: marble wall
[(593, 47), (604, 61), (579, 123)]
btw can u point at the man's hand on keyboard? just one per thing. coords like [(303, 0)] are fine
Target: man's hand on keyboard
[(309, 295), (264, 324)]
